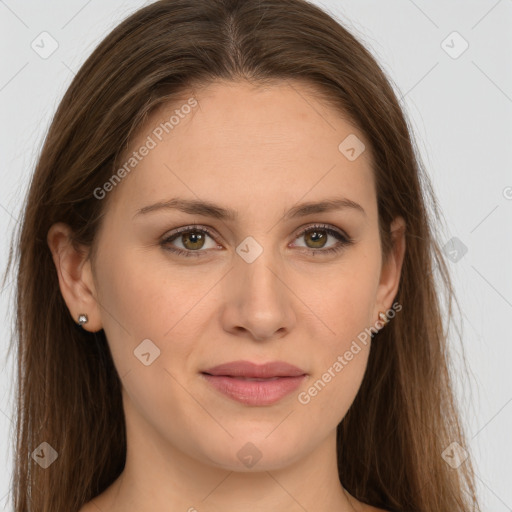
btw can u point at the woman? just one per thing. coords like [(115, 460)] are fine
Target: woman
[(225, 297)]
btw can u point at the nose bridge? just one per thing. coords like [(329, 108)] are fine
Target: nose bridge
[(260, 300), (258, 268)]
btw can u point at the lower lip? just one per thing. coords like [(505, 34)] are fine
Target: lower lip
[(252, 392)]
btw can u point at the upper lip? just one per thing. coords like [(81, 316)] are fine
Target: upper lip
[(254, 370)]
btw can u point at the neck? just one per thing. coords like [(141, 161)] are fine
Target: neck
[(160, 477)]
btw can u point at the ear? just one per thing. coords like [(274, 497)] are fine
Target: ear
[(75, 276), (391, 270)]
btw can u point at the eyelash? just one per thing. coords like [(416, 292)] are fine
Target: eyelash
[(344, 240)]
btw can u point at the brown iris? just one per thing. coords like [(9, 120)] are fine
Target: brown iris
[(195, 238), (317, 236)]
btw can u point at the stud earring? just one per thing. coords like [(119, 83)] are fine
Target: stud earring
[(383, 317), (82, 319)]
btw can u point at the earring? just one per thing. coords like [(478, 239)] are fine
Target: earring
[(383, 317), (82, 319)]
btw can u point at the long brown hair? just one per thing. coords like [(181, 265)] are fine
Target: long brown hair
[(391, 441)]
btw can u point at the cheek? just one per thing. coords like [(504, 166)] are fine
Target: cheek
[(341, 359), (332, 392), (150, 302), (346, 308)]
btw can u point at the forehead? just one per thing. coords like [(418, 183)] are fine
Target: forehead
[(245, 145)]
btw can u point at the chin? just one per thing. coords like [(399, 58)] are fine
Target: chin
[(254, 453)]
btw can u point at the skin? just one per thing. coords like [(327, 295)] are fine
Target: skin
[(259, 151)]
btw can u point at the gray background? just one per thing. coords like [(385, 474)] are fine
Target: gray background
[(460, 107)]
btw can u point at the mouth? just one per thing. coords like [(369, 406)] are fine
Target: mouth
[(250, 370), (252, 384), (255, 379), (254, 391)]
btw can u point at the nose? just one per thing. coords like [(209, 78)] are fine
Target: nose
[(259, 301)]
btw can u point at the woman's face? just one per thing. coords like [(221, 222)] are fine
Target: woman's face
[(259, 286)]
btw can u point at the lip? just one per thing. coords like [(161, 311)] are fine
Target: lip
[(253, 370), (277, 379)]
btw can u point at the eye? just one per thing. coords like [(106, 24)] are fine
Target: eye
[(316, 237), (193, 239)]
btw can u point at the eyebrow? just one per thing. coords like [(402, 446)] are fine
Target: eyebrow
[(209, 209)]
